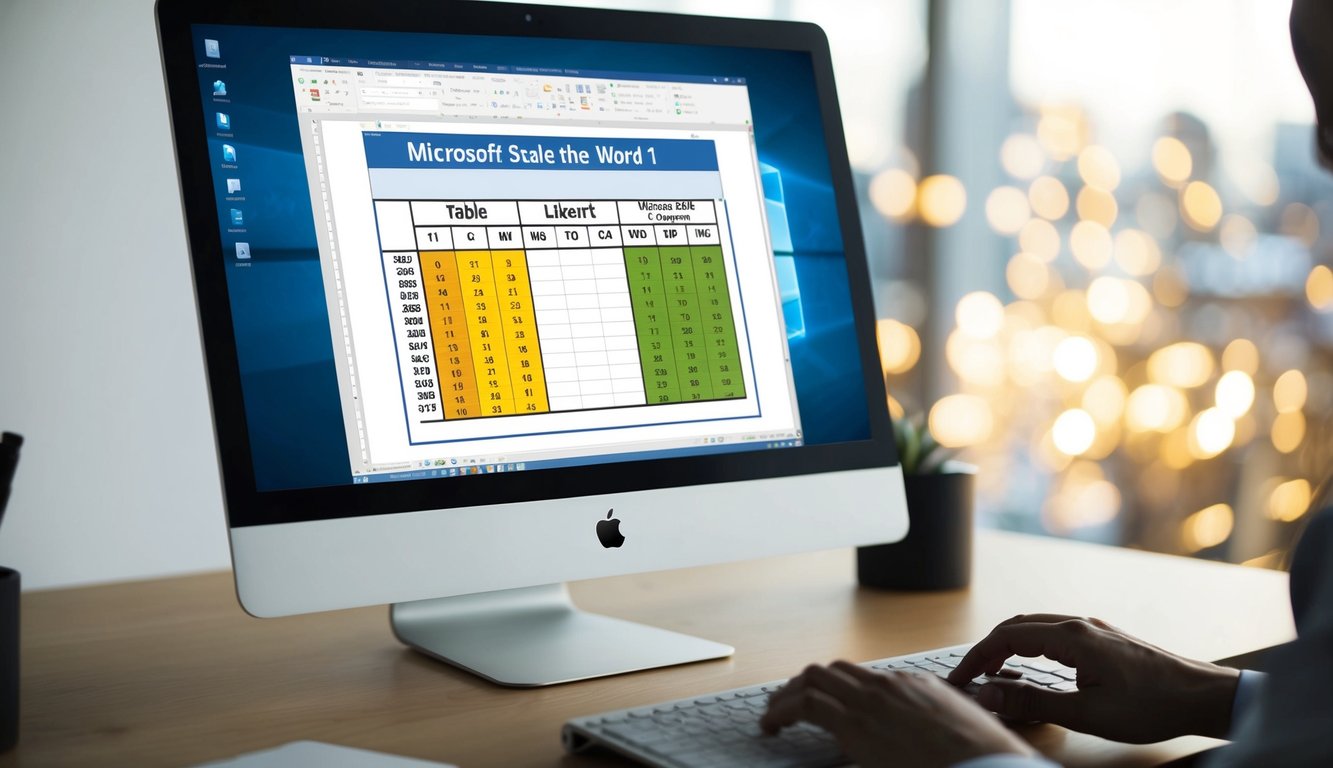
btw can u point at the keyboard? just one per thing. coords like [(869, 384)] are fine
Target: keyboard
[(722, 729)]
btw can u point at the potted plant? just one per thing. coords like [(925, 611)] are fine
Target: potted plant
[(937, 551)]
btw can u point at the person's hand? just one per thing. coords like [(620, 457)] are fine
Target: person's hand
[(1128, 690), (893, 718)]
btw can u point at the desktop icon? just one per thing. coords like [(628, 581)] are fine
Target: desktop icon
[(608, 531), (237, 218), (228, 153), (219, 88), (224, 121), (242, 250), (233, 186), (212, 50)]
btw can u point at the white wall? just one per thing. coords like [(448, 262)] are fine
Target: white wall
[(100, 364)]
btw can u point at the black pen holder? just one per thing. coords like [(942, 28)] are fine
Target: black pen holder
[(937, 551), (9, 659)]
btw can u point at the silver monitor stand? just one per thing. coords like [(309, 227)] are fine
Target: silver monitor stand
[(535, 636)]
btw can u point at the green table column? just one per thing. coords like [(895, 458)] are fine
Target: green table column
[(687, 327), (719, 326), (648, 297)]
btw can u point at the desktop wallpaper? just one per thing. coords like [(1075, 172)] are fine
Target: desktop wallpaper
[(284, 349)]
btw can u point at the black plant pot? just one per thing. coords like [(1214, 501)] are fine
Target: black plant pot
[(937, 551), (9, 659)]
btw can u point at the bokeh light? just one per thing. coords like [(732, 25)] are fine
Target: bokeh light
[(941, 200), (1007, 210), (1208, 527), (1040, 238), (1098, 168), (1185, 364), (1241, 355), (1290, 392), (1028, 276), (1156, 408), (1048, 197), (1097, 205), (1319, 288), (1289, 500), (1136, 252), (1075, 359), (899, 346), (1235, 393), (1288, 431), (1201, 206), (893, 193), (1090, 243), (1073, 432), (958, 421), (1172, 160), (980, 315), (1022, 156), (1211, 432)]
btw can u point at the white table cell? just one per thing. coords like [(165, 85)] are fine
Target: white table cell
[(504, 238), (547, 317), (580, 286), (615, 300), (566, 403), (470, 239), (625, 371), (562, 388), (609, 271), (612, 285), (609, 256), (640, 235), (590, 344), (394, 220), (629, 398), (585, 316), (582, 300), (555, 346), (578, 272), (702, 234), (567, 236), (538, 274), (539, 237), (557, 331), (585, 330), (568, 211), (589, 373), (657, 211), (548, 288), (561, 374), (624, 357), (576, 257), (627, 385), (617, 315), (618, 329), (464, 212), (599, 401), (435, 239), (595, 387), (543, 258), (588, 361), (556, 301), (559, 360), (670, 234), (601, 236), (630, 343)]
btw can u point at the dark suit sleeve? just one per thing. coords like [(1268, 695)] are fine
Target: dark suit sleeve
[(1291, 723)]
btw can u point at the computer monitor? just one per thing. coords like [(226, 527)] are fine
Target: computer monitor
[(497, 297)]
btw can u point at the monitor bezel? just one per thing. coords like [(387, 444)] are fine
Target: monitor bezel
[(248, 506)]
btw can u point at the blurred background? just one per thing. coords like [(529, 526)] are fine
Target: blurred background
[(1099, 239)]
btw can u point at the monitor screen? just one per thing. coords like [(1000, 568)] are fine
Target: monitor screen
[(453, 255)]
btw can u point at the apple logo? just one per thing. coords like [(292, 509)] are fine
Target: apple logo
[(608, 531)]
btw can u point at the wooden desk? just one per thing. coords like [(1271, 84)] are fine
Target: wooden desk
[(171, 672)]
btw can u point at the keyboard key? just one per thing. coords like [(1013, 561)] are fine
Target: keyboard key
[(1064, 686)]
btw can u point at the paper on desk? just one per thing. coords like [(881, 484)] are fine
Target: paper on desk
[(315, 754)]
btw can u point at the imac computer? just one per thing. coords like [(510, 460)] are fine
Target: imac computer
[(496, 297)]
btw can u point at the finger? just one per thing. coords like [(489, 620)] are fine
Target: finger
[(837, 682), (1062, 641), (810, 705), (1024, 701), (1038, 618)]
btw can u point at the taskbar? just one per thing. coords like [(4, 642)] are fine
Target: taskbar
[(452, 467)]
